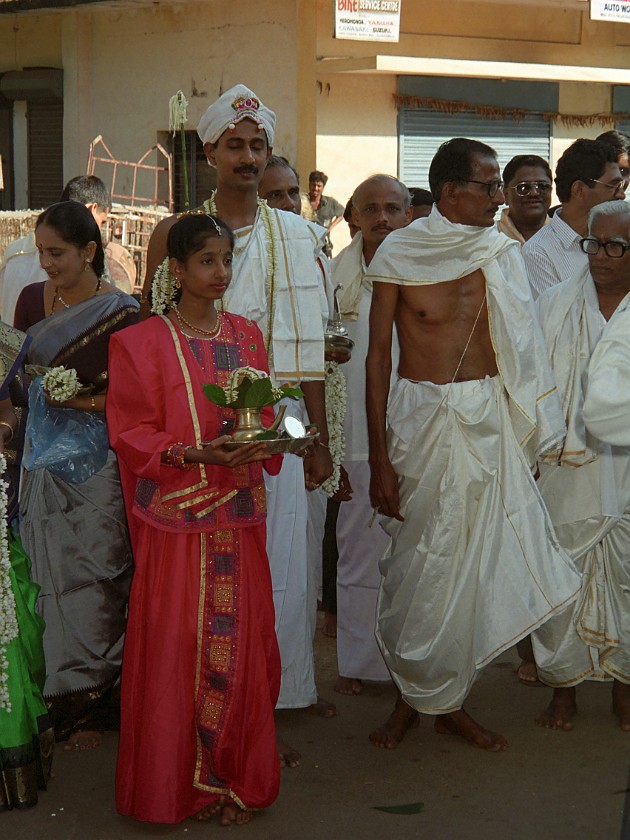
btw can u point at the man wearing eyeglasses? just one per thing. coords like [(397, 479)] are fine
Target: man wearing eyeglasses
[(473, 563), (587, 174), (586, 482), (528, 186)]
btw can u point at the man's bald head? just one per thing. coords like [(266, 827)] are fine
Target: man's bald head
[(380, 204), (388, 180)]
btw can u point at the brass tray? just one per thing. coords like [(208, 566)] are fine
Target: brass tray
[(278, 446)]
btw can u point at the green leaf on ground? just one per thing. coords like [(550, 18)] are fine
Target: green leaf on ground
[(409, 808)]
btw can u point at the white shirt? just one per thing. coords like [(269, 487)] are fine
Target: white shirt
[(553, 255), (607, 400)]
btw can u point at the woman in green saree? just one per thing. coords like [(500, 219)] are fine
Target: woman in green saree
[(26, 736)]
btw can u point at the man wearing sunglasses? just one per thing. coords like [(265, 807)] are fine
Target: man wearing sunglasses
[(586, 482), (528, 186), (587, 174), (473, 563)]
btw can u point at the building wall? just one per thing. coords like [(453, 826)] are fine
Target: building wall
[(121, 67), (457, 30)]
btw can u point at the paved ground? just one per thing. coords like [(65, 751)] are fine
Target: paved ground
[(547, 786)]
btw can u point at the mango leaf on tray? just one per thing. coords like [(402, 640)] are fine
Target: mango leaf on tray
[(215, 393), (259, 394)]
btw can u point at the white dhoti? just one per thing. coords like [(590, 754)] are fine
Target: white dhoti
[(286, 546), (586, 487), (358, 581), (476, 565), (293, 598), (591, 638)]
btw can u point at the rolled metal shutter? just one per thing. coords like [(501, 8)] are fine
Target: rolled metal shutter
[(45, 152), (422, 132)]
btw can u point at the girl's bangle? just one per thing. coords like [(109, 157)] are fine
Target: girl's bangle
[(9, 427), (175, 456)]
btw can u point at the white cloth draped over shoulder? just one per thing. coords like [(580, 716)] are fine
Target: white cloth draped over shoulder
[(435, 250), (607, 402), (348, 270), (586, 487), (291, 308), (476, 565)]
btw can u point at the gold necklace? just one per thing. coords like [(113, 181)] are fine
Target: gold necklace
[(213, 333)]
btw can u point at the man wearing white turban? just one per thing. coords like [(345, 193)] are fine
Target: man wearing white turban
[(276, 282)]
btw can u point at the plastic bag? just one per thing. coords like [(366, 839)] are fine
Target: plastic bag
[(72, 444)]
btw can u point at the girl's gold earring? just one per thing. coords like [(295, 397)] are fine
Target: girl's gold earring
[(178, 283)]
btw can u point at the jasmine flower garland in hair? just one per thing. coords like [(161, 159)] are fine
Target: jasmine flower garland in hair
[(8, 619), (162, 289)]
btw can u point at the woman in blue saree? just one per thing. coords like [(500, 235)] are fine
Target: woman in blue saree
[(76, 533)]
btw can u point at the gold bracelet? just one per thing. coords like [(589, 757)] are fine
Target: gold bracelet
[(325, 445), (93, 403), (9, 427)]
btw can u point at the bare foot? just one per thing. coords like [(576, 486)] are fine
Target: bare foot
[(348, 686), (527, 673), (621, 704), (287, 756), (231, 813), (84, 740), (209, 811), (330, 625), (460, 723), (561, 710), (401, 720), (323, 708)]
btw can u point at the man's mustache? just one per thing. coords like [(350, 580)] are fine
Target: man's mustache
[(241, 170)]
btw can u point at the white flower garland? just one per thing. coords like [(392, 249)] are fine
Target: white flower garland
[(162, 289), (61, 383), (335, 394), (177, 107), (266, 217), (8, 618), (237, 376)]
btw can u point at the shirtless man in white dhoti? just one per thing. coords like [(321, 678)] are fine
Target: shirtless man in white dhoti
[(474, 564), (277, 283), (586, 482)]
